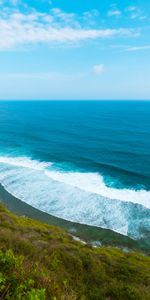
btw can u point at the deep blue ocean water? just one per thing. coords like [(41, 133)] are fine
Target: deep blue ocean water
[(85, 161)]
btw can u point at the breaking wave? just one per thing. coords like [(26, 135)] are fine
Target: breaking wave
[(76, 196)]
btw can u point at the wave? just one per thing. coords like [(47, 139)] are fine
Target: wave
[(76, 196), (94, 183), (89, 182), (114, 168), (23, 161)]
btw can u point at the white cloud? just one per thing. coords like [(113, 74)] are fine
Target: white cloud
[(17, 29), (138, 48), (98, 69), (135, 13), (132, 8), (90, 14), (114, 12), (62, 16)]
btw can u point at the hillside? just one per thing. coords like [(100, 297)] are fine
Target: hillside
[(39, 261)]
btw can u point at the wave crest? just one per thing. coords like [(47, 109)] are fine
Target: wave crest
[(75, 196), (25, 162), (94, 183)]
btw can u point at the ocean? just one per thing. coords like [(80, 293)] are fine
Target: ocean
[(83, 161)]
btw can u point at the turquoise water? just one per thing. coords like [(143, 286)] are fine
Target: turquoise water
[(84, 161)]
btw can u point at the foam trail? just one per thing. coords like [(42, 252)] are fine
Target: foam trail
[(94, 183)]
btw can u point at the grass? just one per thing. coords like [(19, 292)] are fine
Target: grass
[(39, 262)]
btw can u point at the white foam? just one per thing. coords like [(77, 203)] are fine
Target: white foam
[(72, 196), (94, 183), (24, 161), (89, 182)]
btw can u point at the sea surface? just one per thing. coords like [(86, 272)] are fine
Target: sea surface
[(83, 161)]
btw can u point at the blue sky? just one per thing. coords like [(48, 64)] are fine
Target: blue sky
[(79, 49)]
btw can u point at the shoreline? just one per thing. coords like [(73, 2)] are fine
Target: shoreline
[(92, 235)]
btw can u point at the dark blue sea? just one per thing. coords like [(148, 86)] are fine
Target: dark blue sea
[(84, 161)]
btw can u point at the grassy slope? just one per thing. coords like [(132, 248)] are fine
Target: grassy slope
[(38, 262)]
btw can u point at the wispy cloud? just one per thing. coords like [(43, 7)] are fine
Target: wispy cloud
[(98, 69), (18, 28), (129, 48), (135, 13), (132, 8), (114, 12), (137, 48)]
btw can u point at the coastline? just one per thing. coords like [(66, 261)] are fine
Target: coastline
[(92, 235)]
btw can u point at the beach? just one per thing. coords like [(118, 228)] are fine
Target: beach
[(91, 235)]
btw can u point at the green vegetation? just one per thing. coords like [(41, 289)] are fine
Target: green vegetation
[(39, 261)]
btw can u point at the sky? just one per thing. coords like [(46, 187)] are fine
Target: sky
[(74, 49)]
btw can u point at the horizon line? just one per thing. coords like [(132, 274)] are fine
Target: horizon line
[(69, 100)]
